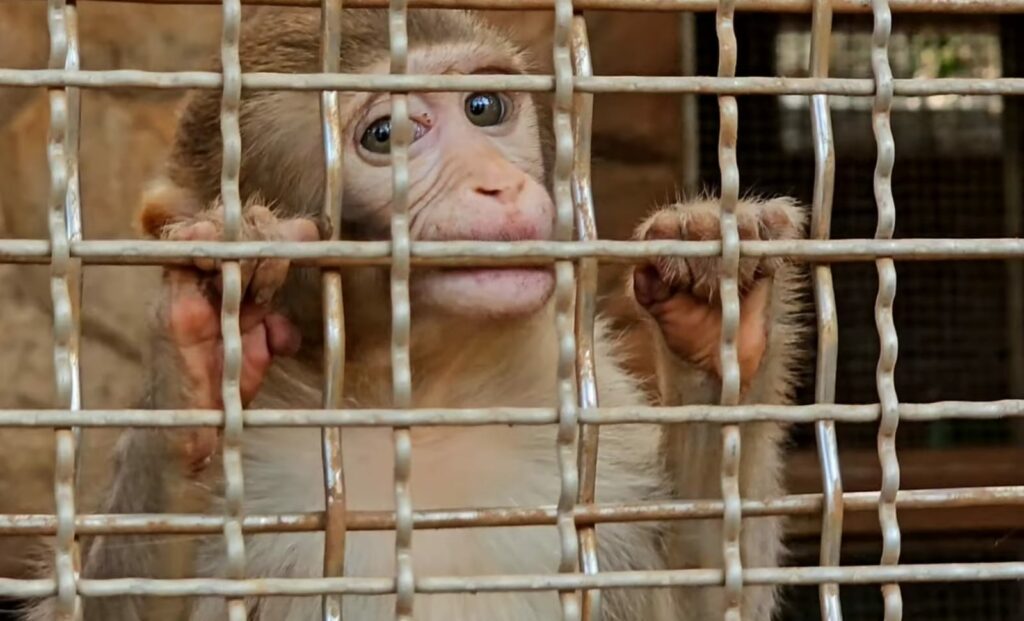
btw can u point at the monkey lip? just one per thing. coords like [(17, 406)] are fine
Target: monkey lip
[(492, 273)]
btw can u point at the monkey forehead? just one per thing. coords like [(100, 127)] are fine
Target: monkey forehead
[(462, 58)]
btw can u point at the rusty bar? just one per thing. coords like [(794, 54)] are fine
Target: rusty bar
[(404, 417), (586, 307), (825, 307), (333, 310), (707, 85), (702, 6), (480, 517)]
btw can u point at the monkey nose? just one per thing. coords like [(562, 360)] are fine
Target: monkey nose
[(505, 191)]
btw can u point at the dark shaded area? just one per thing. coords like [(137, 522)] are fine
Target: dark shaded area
[(974, 601), (950, 316)]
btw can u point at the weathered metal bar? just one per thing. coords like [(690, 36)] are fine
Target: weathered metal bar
[(864, 413), (144, 252), (885, 379), (870, 574), (401, 314), (706, 85), (728, 289), (825, 311), (565, 298), (64, 220), (704, 6), (586, 307), (333, 311), (231, 303), (480, 517)]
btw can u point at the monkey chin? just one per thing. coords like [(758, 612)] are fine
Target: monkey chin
[(487, 293)]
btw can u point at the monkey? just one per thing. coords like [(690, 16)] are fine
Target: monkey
[(481, 337)]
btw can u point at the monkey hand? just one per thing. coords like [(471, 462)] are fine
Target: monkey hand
[(682, 296), (190, 313)]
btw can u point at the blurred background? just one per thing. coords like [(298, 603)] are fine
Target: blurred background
[(958, 173)]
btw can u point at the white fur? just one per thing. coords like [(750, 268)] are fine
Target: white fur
[(452, 468)]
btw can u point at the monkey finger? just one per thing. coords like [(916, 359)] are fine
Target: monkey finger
[(251, 315), (648, 286), (299, 229), (282, 335), (199, 447), (268, 277), (256, 360)]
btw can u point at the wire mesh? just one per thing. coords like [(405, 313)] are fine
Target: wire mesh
[(578, 414)]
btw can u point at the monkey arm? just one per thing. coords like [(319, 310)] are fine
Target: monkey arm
[(681, 314)]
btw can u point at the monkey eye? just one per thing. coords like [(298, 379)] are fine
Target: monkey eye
[(377, 137), (486, 109)]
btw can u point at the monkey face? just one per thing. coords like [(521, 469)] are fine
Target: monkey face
[(474, 174)]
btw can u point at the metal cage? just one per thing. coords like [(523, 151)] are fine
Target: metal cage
[(575, 254)]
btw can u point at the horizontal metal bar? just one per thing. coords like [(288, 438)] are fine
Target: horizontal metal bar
[(868, 574), (584, 514), (754, 85), (433, 417), (702, 6), (328, 253)]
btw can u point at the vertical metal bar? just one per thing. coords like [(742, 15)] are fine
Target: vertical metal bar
[(232, 301), (73, 214), (63, 221), (401, 137), (568, 413), (828, 321), (333, 309), (729, 290), (888, 340), (690, 119), (586, 307)]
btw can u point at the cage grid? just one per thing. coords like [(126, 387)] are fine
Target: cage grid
[(577, 415)]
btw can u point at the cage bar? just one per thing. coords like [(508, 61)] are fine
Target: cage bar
[(705, 85), (888, 340), (703, 6), (231, 303), (401, 138), (584, 515), (729, 294), (426, 417), (519, 253), (334, 318), (565, 289), (64, 225), (825, 307), (522, 583), (586, 307), (795, 505)]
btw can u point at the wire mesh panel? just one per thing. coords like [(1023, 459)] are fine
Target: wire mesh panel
[(575, 252)]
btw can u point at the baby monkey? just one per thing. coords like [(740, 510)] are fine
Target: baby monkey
[(480, 337)]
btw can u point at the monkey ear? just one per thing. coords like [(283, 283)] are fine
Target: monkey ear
[(164, 204)]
